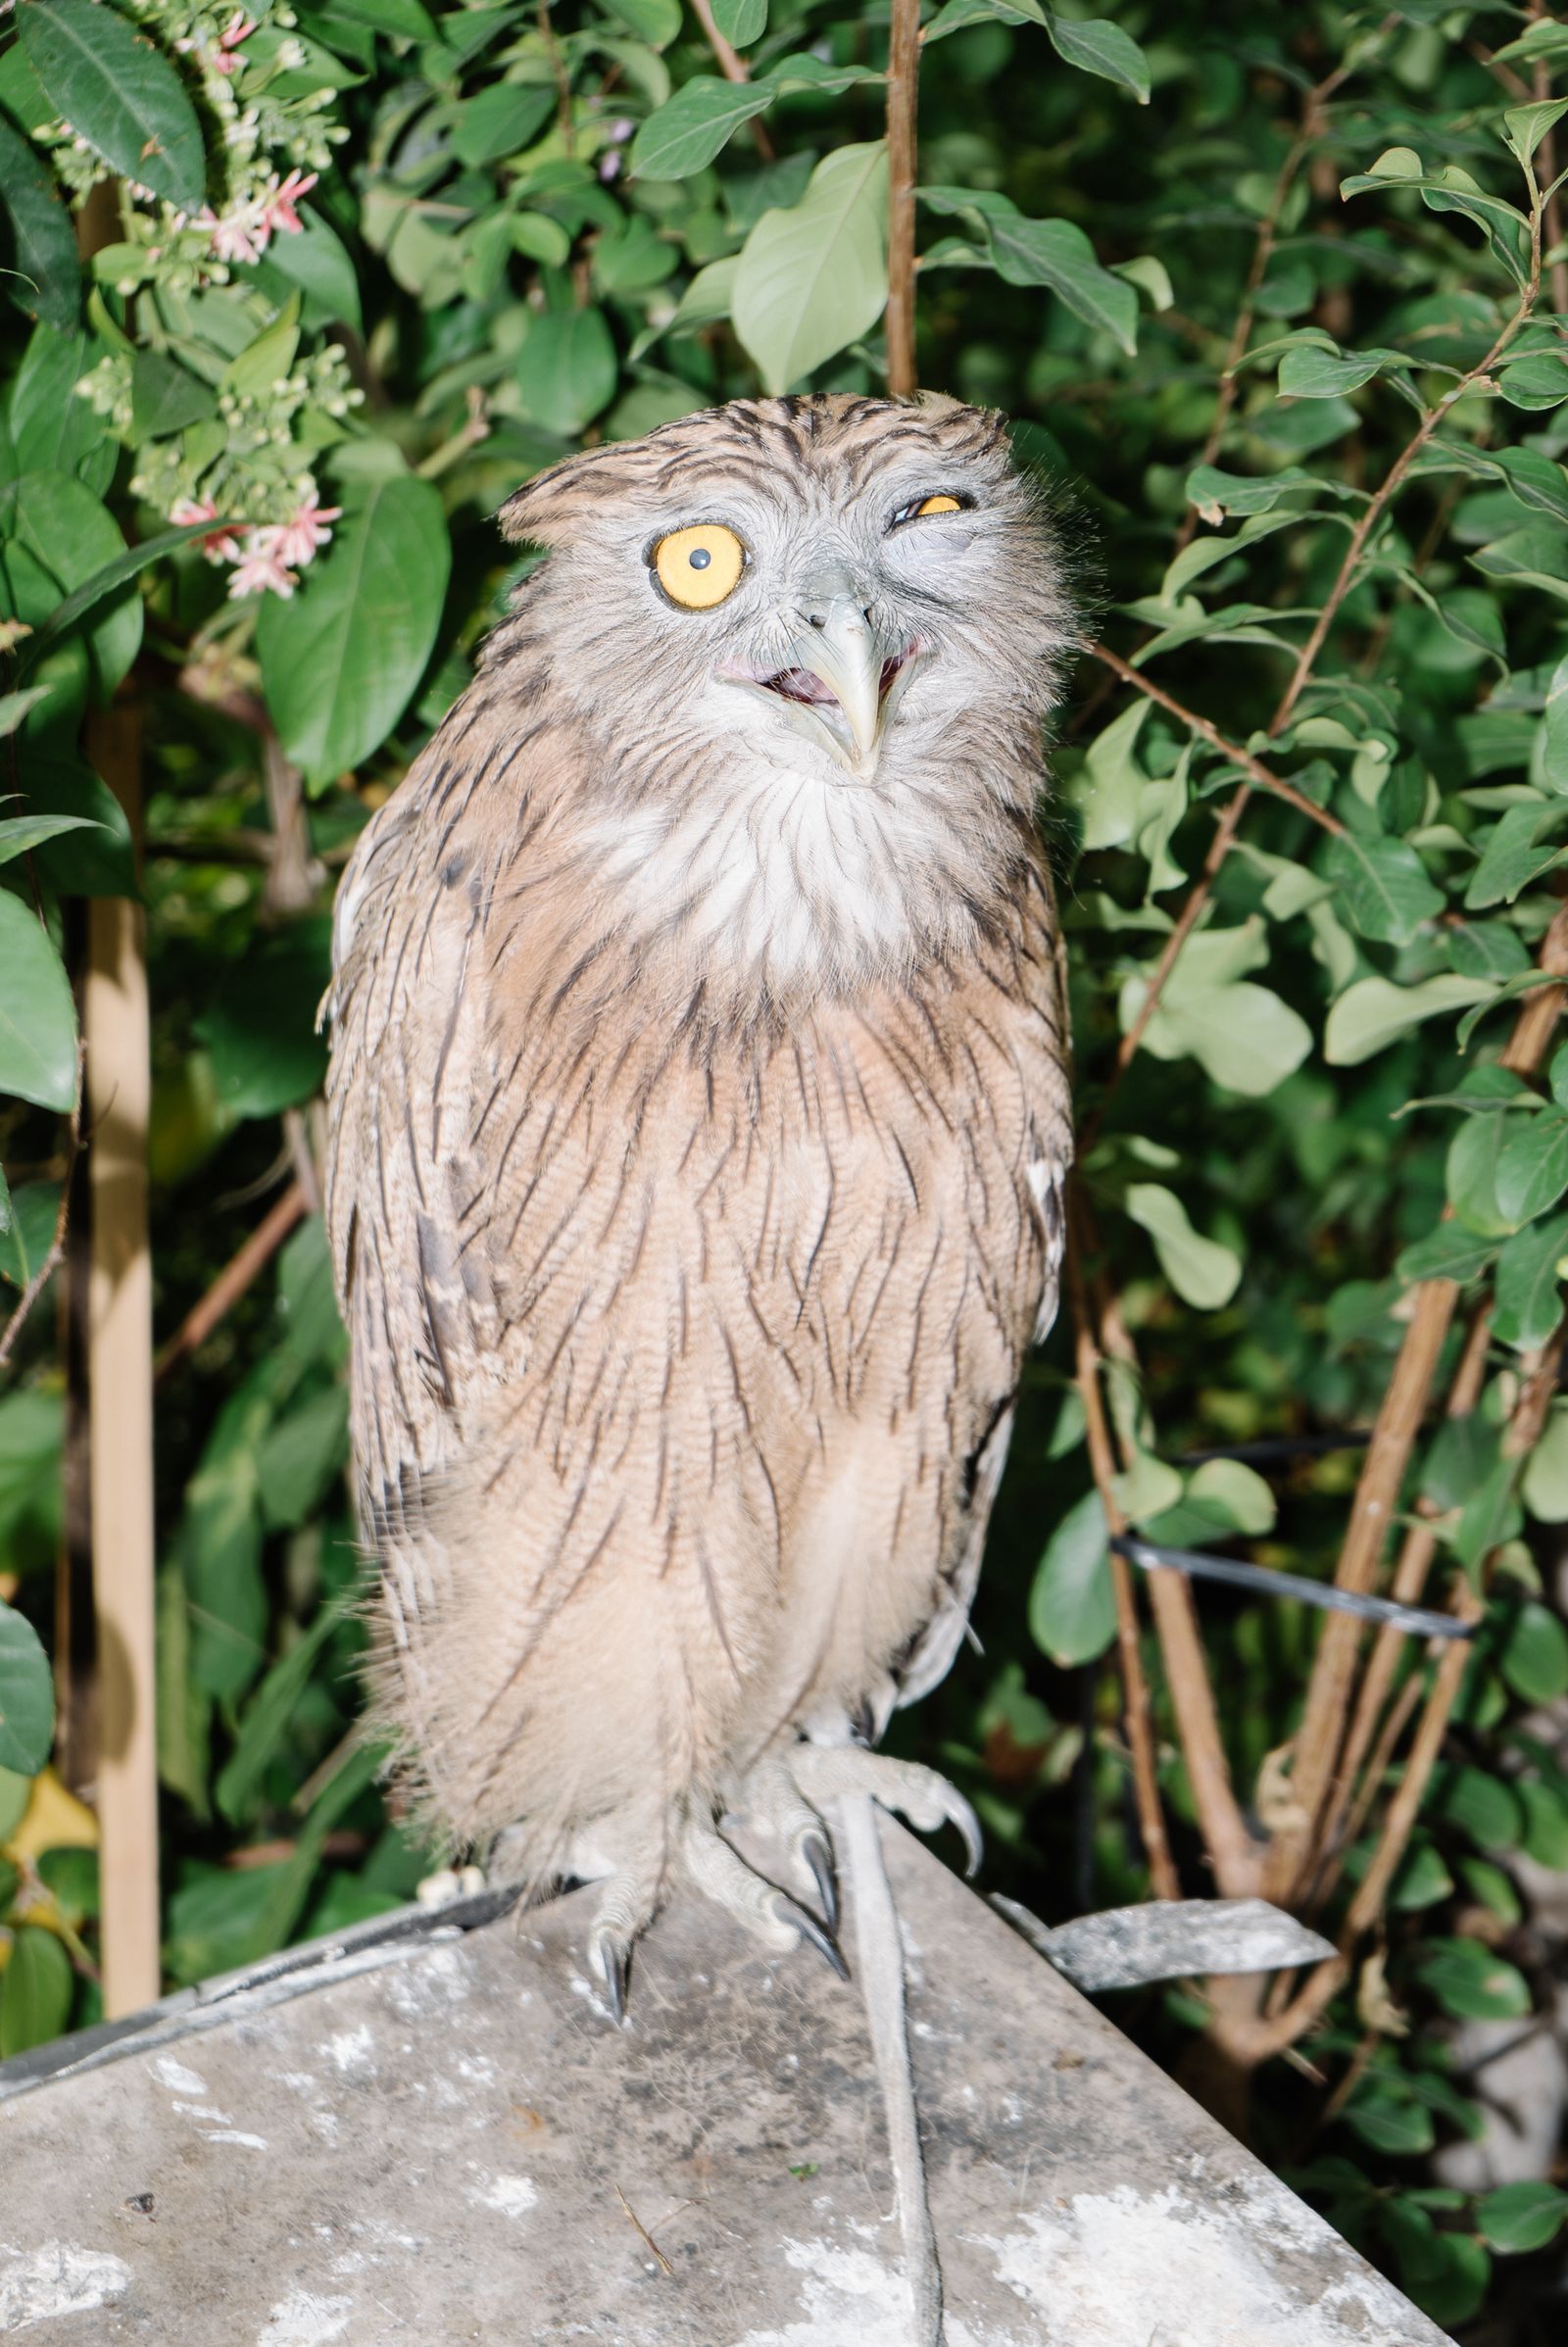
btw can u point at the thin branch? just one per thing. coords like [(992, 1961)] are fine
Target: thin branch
[(1409, 1580), (1318, 1739), (903, 98), (558, 67), (1135, 1687), (1232, 751), (232, 1281), (1231, 1850)]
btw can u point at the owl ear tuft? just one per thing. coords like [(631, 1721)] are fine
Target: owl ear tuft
[(546, 509)]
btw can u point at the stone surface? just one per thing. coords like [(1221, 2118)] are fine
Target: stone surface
[(451, 2144)]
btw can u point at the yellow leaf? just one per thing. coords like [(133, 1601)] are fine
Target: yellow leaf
[(53, 1820)]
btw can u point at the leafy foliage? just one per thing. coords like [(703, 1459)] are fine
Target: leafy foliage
[(1277, 299)]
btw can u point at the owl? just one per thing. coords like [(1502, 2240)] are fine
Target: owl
[(699, 1117)]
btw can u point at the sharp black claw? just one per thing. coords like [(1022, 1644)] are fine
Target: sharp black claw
[(614, 1966), (810, 1929), (818, 1857)]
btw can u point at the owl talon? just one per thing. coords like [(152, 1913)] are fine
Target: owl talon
[(806, 1923), (611, 1958), (921, 1794), (816, 1852)]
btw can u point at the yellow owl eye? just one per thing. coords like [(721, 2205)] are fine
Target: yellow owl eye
[(698, 567), (938, 505)]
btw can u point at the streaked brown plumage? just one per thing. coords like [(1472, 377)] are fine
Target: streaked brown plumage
[(699, 1114)]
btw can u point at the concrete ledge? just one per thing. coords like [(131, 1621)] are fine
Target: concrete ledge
[(449, 2144)]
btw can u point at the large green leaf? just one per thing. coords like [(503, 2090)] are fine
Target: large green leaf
[(119, 92), (27, 1695), (37, 1016), (567, 369), (1375, 1012), (48, 276), (77, 541), (1200, 1269), (35, 1992), (341, 660), (1515, 2219), (813, 278), (1529, 1272), (1072, 1607)]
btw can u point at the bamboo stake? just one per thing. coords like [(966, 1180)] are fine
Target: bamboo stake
[(120, 1373), (903, 71)]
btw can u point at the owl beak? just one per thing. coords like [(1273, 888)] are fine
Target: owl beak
[(844, 676), (839, 647)]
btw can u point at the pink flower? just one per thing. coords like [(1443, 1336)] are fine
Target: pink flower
[(260, 570), (277, 204), (306, 528), (239, 29), (218, 546), (240, 234)]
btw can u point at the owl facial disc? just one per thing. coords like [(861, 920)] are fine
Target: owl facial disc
[(845, 676)]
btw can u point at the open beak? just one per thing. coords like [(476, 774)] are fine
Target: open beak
[(844, 678)]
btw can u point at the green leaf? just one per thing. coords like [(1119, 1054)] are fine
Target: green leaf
[(1518, 2218), (1200, 1269), (1546, 1825), (1471, 1982), (1524, 127), (342, 659), (741, 21), (19, 834), (1534, 1655), (657, 22), (1450, 1252), (1391, 2122), (71, 534), (1096, 46), (301, 1456), (1533, 1167), (269, 1713), (260, 1025), (813, 277), (399, 20), (1383, 885), (1072, 1608), (1375, 1012), (37, 1016), (1480, 1804), (1518, 850), (96, 861), (1421, 1880), (1529, 1269), (501, 120), (117, 92), (165, 397), (1056, 254), (682, 136), (32, 1427), (35, 1992), (567, 369), (1539, 380), (97, 586), (48, 276), (1309, 371), (27, 1695), (317, 263)]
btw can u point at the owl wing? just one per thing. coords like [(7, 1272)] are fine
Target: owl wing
[(1036, 1021), (411, 1061)]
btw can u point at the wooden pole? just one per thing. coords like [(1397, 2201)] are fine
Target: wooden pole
[(903, 86), (119, 1384)]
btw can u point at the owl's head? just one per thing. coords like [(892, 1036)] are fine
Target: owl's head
[(829, 582)]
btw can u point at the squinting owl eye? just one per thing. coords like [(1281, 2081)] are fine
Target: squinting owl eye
[(918, 507), (698, 567)]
